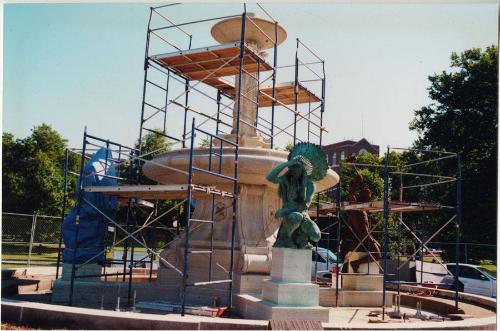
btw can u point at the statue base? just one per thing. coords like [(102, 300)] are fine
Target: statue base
[(362, 282), (289, 294), (357, 290)]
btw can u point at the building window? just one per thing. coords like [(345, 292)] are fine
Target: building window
[(342, 155), (334, 158), (361, 151)]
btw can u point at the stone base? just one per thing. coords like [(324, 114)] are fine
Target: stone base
[(354, 298), (251, 306), (84, 270), (362, 282), (90, 294), (291, 294), (248, 283), (291, 265)]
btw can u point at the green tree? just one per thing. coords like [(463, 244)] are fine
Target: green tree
[(33, 172), (463, 118)]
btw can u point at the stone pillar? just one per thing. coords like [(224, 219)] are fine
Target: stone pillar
[(290, 282), (248, 105)]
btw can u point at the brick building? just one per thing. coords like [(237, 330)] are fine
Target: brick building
[(343, 149)]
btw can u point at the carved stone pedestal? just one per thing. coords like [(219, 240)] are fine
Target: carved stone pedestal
[(361, 290), (289, 294), (362, 282)]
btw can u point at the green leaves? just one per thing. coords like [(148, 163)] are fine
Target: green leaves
[(33, 172), (464, 118)]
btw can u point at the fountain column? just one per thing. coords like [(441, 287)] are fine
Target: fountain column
[(229, 31)]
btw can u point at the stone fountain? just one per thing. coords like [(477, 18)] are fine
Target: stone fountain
[(258, 200)]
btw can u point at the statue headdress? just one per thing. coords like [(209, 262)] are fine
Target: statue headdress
[(312, 157)]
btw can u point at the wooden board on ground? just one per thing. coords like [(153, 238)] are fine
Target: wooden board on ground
[(294, 325)]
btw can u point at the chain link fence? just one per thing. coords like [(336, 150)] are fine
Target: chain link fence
[(32, 240), (29, 240)]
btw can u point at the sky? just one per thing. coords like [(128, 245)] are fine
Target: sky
[(76, 65)]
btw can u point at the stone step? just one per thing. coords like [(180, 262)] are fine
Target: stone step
[(251, 306)]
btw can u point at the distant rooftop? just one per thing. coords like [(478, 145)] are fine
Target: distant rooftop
[(342, 149)]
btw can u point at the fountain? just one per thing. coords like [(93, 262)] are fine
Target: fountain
[(257, 198), (281, 290)]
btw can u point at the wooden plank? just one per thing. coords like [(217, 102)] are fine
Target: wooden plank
[(220, 59), (197, 64), (294, 325), (376, 206), (286, 95), (156, 191)]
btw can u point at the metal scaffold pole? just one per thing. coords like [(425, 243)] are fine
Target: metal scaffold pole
[(458, 222), (235, 183), (146, 67), (337, 215), (386, 227), (77, 218), (296, 92), (275, 64), (186, 226), (400, 219), (63, 210)]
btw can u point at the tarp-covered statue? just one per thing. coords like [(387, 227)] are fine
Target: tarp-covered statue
[(93, 225)]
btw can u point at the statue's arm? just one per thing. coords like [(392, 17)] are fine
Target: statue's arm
[(282, 212), (309, 192), (273, 175)]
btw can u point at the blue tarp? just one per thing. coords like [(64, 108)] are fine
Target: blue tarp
[(93, 225)]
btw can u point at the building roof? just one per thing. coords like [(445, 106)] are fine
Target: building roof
[(348, 143)]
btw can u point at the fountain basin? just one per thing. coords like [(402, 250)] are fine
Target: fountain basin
[(253, 166)]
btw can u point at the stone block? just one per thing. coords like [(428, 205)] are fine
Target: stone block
[(362, 282), (82, 270), (291, 265), (248, 283), (291, 294), (253, 307), (347, 298)]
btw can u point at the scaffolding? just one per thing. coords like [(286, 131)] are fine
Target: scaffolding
[(391, 204), (174, 74)]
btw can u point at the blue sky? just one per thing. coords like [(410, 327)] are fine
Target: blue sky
[(71, 65)]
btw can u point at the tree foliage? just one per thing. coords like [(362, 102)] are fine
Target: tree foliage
[(33, 172), (463, 118)]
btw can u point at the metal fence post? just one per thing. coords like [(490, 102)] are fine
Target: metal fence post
[(32, 237)]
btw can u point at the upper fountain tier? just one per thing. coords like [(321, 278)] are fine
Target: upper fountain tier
[(256, 158), (259, 32)]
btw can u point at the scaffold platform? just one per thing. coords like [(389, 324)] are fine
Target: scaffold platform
[(154, 192), (214, 61), (283, 93), (376, 206)]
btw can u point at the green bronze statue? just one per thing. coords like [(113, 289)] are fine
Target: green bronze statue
[(306, 163)]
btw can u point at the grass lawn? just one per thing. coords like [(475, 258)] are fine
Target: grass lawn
[(41, 255)]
